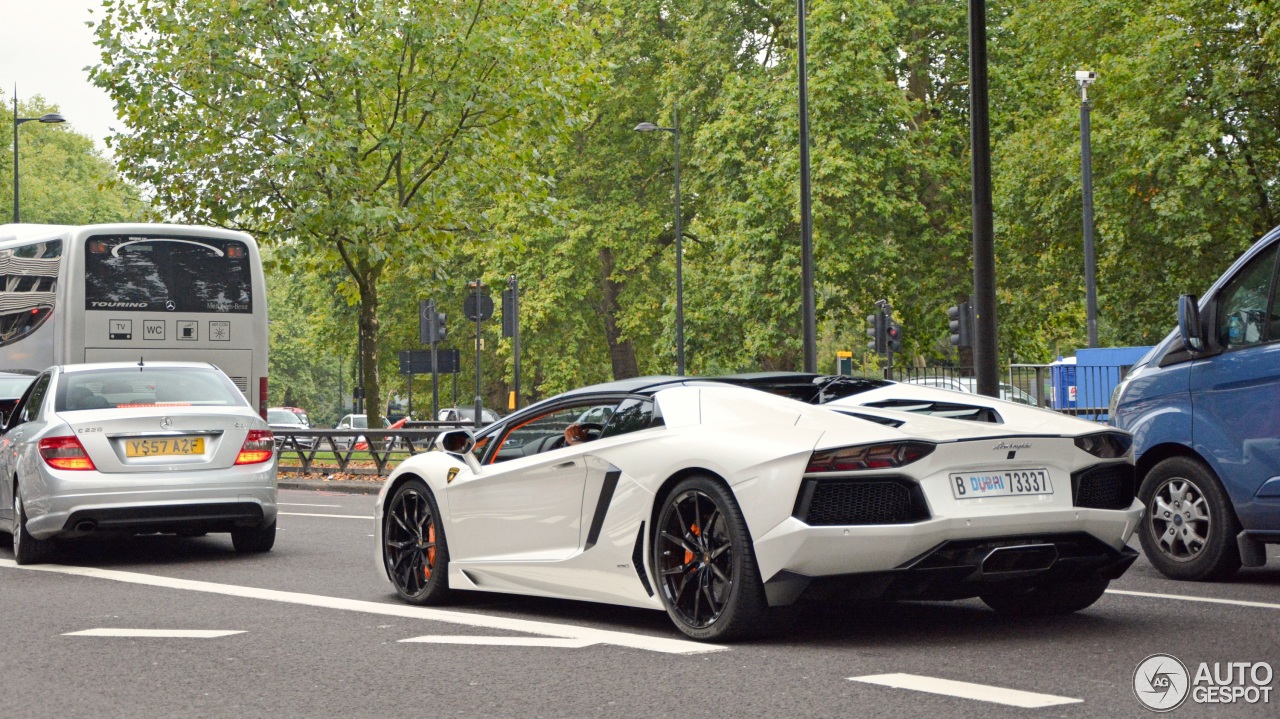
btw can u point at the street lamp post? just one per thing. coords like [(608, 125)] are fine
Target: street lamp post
[(808, 303), (1085, 78), (52, 117), (675, 134)]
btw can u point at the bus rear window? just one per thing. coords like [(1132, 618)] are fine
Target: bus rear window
[(148, 273)]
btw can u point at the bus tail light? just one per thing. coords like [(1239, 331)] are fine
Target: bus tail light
[(258, 447), (262, 397), (65, 453)]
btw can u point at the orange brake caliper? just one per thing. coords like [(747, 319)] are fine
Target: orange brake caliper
[(431, 552), (688, 556)]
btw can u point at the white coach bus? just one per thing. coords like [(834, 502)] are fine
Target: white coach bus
[(112, 293)]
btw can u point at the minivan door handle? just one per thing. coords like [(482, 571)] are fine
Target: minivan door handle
[(566, 465)]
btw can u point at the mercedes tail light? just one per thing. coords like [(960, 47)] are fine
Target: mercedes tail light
[(868, 456), (65, 453), (258, 447)]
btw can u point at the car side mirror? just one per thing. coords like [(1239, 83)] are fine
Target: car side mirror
[(456, 441), (1193, 335)]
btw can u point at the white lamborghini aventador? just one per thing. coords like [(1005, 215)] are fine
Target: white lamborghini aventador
[(716, 502)]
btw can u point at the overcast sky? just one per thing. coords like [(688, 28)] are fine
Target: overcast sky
[(44, 48)]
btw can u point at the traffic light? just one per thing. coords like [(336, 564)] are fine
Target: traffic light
[(439, 329), (894, 337), (878, 332), (509, 312), (961, 324)]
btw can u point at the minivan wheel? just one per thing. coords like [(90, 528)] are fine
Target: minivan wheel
[(1189, 530), (26, 548)]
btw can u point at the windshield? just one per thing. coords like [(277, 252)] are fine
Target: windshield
[(282, 416), (167, 274), (146, 387), (14, 386)]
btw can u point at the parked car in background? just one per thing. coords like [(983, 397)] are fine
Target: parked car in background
[(466, 415), (1204, 409), (161, 447), (298, 412), (12, 384), (1008, 392), (282, 419), (715, 502), (350, 421)]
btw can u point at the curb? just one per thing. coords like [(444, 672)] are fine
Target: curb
[(343, 486)]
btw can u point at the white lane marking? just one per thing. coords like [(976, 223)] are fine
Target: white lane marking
[(503, 641), (528, 626), (1185, 598), (156, 633), (302, 504), (339, 516), (965, 690)]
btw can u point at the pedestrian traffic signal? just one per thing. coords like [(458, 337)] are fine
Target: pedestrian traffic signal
[(961, 323), (894, 339), (878, 332)]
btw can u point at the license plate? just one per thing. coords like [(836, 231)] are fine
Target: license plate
[(161, 447), (1001, 483)]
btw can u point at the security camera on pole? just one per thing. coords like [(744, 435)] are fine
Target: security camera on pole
[(1085, 78)]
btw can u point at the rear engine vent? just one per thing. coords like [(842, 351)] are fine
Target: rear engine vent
[(826, 502), (1105, 486), (242, 384)]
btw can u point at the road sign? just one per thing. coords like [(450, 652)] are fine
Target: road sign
[(469, 306), (419, 361)]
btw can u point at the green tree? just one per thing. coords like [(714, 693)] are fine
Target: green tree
[(64, 178), (351, 136), (1186, 148)]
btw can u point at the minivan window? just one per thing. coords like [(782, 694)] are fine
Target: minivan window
[(1246, 304)]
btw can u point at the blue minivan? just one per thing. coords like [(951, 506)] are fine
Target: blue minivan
[(1204, 410)]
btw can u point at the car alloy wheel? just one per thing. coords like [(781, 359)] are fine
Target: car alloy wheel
[(413, 545), (1190, 528), (1180, 519), (706, 569), (26, 548)]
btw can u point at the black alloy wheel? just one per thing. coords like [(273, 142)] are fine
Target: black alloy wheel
[(413, 545), (705, 564)]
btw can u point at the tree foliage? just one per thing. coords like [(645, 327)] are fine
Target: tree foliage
[(63, 179), (350, 135), (567, 196)]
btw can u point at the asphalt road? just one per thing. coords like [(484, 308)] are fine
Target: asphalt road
[(319, 633)]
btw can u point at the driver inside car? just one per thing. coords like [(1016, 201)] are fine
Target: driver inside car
[(575, 433)]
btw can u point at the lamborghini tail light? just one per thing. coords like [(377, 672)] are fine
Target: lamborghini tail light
[(1107, 445), (868, 456), (258, 447), (65, 453)]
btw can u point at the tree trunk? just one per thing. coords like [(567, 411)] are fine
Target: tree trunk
[(622, 354)]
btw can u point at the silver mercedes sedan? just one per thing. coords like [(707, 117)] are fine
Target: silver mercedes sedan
[(135, 447)]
